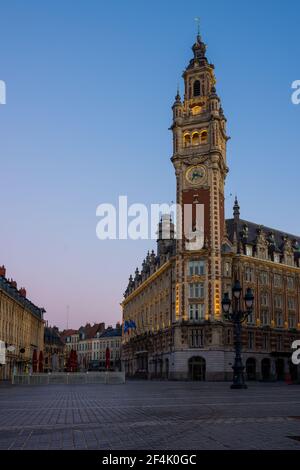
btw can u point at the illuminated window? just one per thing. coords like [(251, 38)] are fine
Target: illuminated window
[(197, 88), (203, 136), (195, 138), (187, 140)]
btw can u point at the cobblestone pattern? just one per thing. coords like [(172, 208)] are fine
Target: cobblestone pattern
[(150, 415)]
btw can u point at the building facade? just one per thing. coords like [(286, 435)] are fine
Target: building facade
[(175, 300), (21, 328), (54, 350)]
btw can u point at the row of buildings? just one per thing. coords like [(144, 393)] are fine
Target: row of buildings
[(25, 335), (175, 300)]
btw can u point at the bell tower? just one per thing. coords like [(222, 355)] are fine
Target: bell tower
[(199, 159)]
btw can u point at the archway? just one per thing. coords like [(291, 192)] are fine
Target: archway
[(251, 368), (197, 368), (266, 368), (279, 365)]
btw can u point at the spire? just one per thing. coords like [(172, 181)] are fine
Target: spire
[(236, 209)]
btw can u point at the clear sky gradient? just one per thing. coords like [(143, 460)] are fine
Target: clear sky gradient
[(90, 86)]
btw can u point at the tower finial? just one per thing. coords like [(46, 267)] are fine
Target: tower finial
[(197, 21), (236, 208)]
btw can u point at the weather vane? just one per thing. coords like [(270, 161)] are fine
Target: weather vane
[(197, 20)]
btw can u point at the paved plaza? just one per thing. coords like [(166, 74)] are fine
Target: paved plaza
[(150, 415)]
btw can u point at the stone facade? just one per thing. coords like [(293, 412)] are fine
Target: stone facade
[(21, 328), (174, 303)]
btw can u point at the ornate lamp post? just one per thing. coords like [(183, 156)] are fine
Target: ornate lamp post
[(237, 316)]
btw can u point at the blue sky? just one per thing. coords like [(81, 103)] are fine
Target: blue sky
[(90, 86)]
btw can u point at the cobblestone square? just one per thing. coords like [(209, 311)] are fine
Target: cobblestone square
[(150, 415)]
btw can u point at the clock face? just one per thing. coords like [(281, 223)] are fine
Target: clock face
[(195, 174)]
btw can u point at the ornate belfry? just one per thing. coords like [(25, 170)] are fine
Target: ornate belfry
[(199, 159), (175, 300)]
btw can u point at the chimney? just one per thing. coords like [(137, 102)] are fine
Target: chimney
[(22, 292), (2, 271), (13, 283)]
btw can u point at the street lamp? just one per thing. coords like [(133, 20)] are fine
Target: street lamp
[(237, 316)]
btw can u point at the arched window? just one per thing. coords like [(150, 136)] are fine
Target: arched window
[(187, 140), (196, 88), (203, 136), (195, 138)]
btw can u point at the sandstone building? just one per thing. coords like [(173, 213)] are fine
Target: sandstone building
[(21, 328), (175, 300)]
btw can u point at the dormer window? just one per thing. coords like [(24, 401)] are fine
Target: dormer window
[(276, 258), (249, 250), (196, 88)]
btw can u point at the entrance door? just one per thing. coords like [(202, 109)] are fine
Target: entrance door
[(197, 368)]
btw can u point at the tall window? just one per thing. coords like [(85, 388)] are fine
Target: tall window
[(187, 140), (265, 318), (196, 338), (291, 303), (196, 311), (292, 320), (264, 277), (196, 290), (195, 138), (264, 299), (290, 283), (279, 319), (277, 280), (196, 268), (250, 340), (278, 301), (203, 136), (196, 88), (227, 269), (249, 274)]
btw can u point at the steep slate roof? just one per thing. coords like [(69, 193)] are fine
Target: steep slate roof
[(252, 232), (13, 292), (111, 332)]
